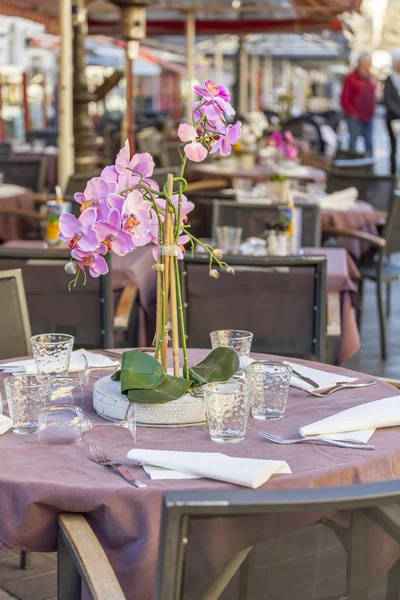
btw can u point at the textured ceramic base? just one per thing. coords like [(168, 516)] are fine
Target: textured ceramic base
[(109, 403)]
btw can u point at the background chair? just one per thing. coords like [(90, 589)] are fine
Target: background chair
[(49, 136), (160, 174), (28, 172), (170, 155), (254, 217), (5, 149), (15, 330), (379, 268), (86, 312), (281, 299), (355, 165), (375, 189), (185, 515)]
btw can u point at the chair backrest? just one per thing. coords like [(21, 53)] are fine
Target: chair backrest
[(50, 136), (170, 154), (392, 229), (86, 312), (375, 189), (253, 218), (282, 300), (28, 172), (185, 516), (160, 175), (15, 330), (355, 165), (5, 149)]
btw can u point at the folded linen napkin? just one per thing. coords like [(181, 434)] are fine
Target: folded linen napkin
[(343, 200), (323, 378), (369, 416), (5, 424), (96, 361), (249, 472)]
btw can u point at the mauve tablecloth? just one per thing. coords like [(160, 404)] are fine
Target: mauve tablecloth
[(363, 217), (341, 278), (38, 481), (15, 196)]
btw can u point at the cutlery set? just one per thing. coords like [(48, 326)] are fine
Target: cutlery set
[(315, 440)]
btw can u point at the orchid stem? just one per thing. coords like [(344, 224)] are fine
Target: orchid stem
[(181, 320)]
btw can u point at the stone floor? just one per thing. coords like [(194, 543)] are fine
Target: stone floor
[(39, 581)]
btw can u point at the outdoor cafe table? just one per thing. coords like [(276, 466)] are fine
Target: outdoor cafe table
[(38, 481), (258, 174)]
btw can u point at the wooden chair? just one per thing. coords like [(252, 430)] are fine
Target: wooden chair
[(283, 300), (15, 329), (379, 269), (81, 557)]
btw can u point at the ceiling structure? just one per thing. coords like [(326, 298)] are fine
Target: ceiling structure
[(167, 17)]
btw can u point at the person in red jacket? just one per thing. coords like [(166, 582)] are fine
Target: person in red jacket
[(359, 103)]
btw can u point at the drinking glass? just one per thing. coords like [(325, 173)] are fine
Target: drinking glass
[(229, 238), (269, 388), (70, 389), (52, 352), (68, 424), (227, 408), (235, 339), (26, 396)]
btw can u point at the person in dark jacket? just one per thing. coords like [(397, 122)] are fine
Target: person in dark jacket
[(391, 99), (359, 103)]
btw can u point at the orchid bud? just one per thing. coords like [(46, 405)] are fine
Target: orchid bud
[(214, 273), (71, 268), (218, 253), (230, 271)]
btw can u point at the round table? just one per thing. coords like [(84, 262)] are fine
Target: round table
[(40, 481)]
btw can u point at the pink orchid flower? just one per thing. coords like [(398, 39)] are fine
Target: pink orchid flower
[(193, 150), (276, 140), (136, 218), (186, 206), (291, 152), (96, 264), (211, 91), (225, 141), (112, 236), (289, 137), (78, 232), (95, 196)]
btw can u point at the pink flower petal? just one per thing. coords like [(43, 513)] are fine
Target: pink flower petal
[(196, 152), (186, 133), (69, 226)]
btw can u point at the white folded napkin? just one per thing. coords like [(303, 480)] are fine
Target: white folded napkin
[(5, 424), (249, 472), (343, 200), (369, 416), (95, 361), (323, 378)]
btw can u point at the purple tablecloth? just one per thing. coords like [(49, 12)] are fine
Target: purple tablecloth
[(363, 217), (38, 481)]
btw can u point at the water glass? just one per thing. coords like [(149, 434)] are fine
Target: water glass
[(269, 388), (26, 396), (227, 408), (68, 424), (70, 389), (229, 238), (235, 339), (52, 352)]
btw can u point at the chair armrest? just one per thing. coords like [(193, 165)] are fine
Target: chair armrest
[(374, 240), (41, 198), (89, 557), (209, 184), (22, 213)]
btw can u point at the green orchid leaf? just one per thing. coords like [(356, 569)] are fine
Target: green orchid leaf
[(220, 365), (140, 371), (116, 376), (171, 388)]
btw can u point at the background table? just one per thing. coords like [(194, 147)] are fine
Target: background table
[(15, 196), (41, 481), (259, 174), (363, 217)]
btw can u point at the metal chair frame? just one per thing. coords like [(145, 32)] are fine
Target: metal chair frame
[(22, 304), (19, 164)]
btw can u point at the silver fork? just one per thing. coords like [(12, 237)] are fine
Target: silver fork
[(339, 386), (100, 457), (313, 440)]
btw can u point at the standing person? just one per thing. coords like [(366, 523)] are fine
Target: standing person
[(391, 99), (359, 103)]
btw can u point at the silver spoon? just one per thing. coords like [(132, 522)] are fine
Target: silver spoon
[(338, 387)]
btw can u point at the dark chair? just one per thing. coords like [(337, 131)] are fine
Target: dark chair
[(160, 175), (283, 300), (15, 330), (375, 189), (50, 136), (380, 268), (5, 149), (28, 172), (254, 217), (188, 516), (86, 312), (354, 165), (169, 154), (350, 154)]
